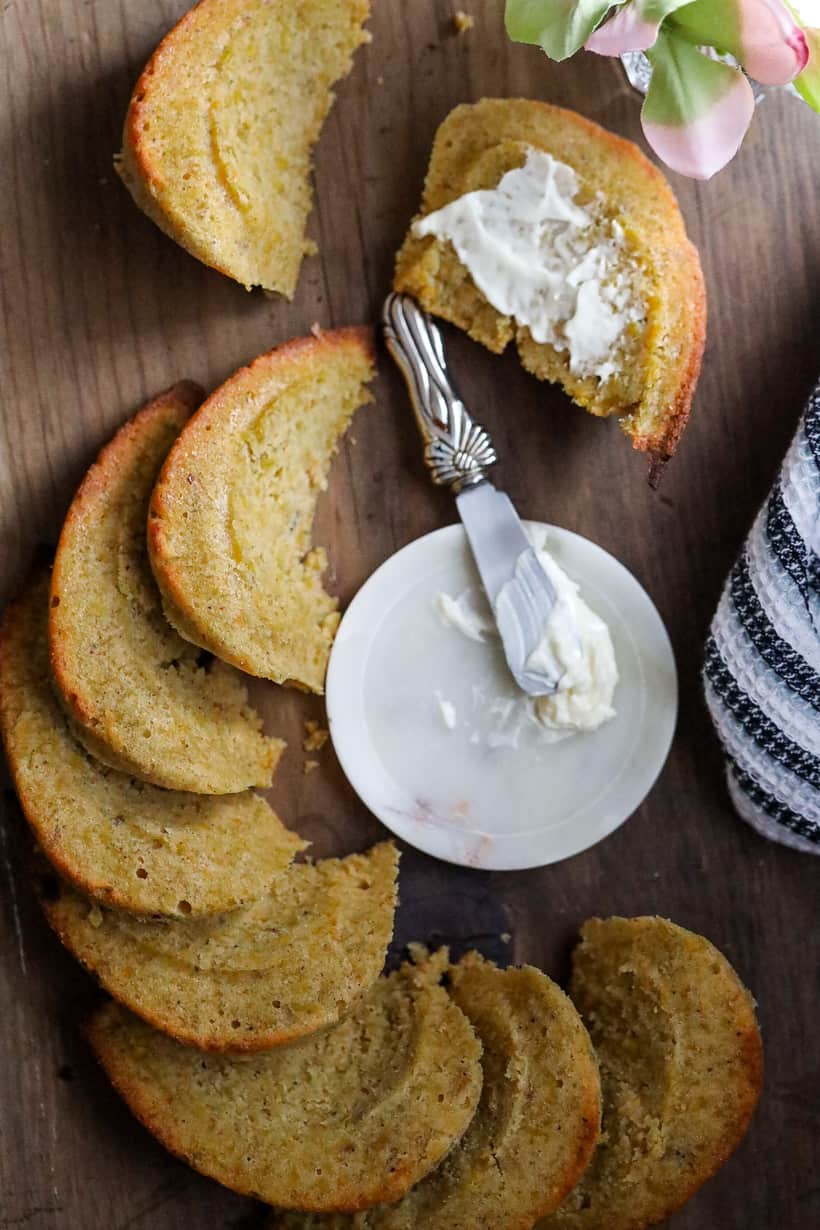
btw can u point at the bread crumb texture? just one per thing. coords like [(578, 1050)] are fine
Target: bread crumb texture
[(316, 737), (658, 369), (231, 515), (536, 1125), (137, 694), (347, 1118), (219, 134), (681, 1069), (463, 22), (292, 962), (117, 839)]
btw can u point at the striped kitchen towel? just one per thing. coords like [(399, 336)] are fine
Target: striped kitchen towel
[(762, 669)]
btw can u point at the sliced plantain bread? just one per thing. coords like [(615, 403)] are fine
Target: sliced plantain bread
[(337, 1121), (122, 842), (290, 963), (655, 363), (536, 1125), (681, 1068), (219, 134), (136, 694), (231, 514)]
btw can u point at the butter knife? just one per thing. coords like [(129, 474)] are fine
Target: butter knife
[(459, 453)]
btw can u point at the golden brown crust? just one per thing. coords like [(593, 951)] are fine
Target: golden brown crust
[(152, 175), (671, 351), (553, 1051), (137, 163), (186, 607), (662, 445), (536, 1125), (127, 844), (135, 692), (681, 1066), (179, 401), (373, 1104), (292, 963)]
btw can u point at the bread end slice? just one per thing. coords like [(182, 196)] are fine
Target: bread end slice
[(219, 133), (230, 520)]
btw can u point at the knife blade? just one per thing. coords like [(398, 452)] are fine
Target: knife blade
[(458, 453), (520, 593)]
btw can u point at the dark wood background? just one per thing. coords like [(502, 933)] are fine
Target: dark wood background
[(99, 311)]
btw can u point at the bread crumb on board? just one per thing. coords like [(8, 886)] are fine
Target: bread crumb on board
[(309, 766), (315, 737), (463, 22)]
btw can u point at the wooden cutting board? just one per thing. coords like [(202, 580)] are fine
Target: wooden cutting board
[(99, 311)]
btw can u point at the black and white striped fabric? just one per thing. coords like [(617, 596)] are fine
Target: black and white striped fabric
[(762, 669)]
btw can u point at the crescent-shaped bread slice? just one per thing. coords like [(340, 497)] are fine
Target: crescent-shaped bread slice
[(135, 691), (288, 964), (337, 1121), (231, 515), (122, 842), (536, 1125), (221, 126), (653, 388), (681, 1066)]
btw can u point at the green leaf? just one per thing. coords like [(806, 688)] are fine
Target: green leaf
[(559, 27), (685, 83), (710, 23), (697, 110)]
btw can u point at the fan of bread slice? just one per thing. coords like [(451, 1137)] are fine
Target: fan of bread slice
[(117, 839), (136, 693), (231, 514), (220, 130), (651, 391), (681, 1067), (337, 1121), (290, 963), (536, 1124)]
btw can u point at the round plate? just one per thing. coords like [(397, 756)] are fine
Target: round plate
[(397, 673)]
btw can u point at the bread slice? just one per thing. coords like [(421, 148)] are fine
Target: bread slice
[(290, 963), (219, 133), (681, 1066), (659, 365), (135, 691), (337, 1121), (231, 514), (536, 1126), (122, 842)]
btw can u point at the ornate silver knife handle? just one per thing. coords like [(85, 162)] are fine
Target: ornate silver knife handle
[(457, 450)]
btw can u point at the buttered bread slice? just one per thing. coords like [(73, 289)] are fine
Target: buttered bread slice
[(138, 697), (539, 227), (681, 1063), (116, 839), (231, 515), (536, 1125), (288, 964), (335, 1122), (221, 126)]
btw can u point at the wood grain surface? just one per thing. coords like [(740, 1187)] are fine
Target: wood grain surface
[(99, 311)]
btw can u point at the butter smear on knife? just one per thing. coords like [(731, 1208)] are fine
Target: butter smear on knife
[(576, 646)]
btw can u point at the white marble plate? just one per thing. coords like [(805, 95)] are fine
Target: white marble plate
[(448, 791)]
